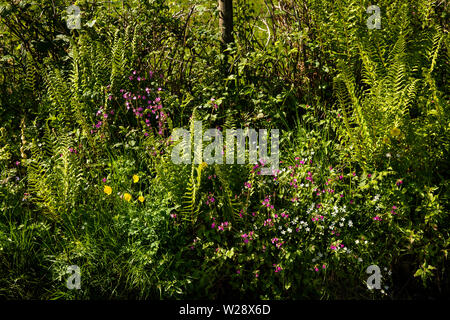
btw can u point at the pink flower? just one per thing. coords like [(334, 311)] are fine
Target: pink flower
[(104, 180)]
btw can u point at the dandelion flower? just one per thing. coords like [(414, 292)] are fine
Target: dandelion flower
[(141, 198), (107, 190), (135, 178), (127, 197)]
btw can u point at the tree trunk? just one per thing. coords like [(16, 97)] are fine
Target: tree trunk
[(226, 21)]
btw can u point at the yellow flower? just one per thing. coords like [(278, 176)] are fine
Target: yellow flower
[(127, 197), (141, 198), (395, 131), (135, 178), (107, 190)]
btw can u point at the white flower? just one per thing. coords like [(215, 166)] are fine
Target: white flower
[(356, 241), (320, 255), (350, 223), (389, 272), (360, 260), (365, 242), (341, 224), (388, 155), (307, 229), (289, 230), (314, 260), (283, 232)]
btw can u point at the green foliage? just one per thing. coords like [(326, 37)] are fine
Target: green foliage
[(87, 178)]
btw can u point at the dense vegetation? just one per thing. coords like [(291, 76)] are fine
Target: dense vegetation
[(86, 176)]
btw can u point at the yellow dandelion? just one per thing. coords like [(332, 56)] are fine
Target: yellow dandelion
[(135, 178), (107, 190), (395, 132), (127, 197), (141, 198)]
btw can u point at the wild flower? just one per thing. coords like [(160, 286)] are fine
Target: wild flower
[(127, 197), (277, 268), (107, 190), (141, 199), (135, 178)]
